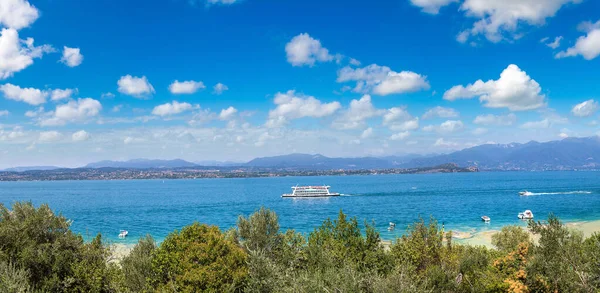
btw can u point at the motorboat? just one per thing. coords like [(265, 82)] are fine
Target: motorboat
[(392, 226), (123, 233), (526, 215), (486, 219), (525, 193)]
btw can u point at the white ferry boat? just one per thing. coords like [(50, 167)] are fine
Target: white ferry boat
[(310, 191)]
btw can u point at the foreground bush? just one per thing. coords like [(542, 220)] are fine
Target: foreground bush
[(39, 253)]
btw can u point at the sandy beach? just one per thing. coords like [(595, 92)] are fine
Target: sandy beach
[(485, 237)]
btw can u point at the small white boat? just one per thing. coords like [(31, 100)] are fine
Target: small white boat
[(486, 219), (123, 233), (526, 215), (392, 226), (525, 193)]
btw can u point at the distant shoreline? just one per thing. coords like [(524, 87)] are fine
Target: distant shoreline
[(191, 173)]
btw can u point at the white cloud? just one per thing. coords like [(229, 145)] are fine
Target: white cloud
[(440, 142), (117, 108), (173, 108), (440, 112), (219, 88), (30, 96), (138, 87), (354, 62), (545, 123), (228, 113), (400, 135), (305, 50), (499, 120), (563, 135), (59, 94), (4, 113), (17, 14), (501, 19), (73, 111), (186, 87), (366, 133), (381, 80), (80, 135), (32, 114), (587, 46), (451, 126), (585, 109), (554, 44), (398, 119), (71, 57), (357, 114), (431, 6), (49, 136), (514, 90), (291, 105), (17, 54)]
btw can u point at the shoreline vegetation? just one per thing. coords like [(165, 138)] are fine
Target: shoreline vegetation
[(39, 253), (199, 173)]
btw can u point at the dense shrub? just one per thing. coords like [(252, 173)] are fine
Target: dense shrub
[(39, 253), (198, 258)]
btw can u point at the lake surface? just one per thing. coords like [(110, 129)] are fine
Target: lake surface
[(458, 200)]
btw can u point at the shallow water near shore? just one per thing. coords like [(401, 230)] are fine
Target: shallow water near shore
[(458, 201)]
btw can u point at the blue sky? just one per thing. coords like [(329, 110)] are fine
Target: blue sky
[(82, 81)]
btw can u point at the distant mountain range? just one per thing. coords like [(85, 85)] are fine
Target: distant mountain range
[(30, 168), (566, 154)]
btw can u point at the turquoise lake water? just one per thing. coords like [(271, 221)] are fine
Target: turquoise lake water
[(458, 200)]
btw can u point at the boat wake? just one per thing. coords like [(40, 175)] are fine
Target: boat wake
[(554, 193)]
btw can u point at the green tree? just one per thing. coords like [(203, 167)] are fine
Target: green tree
[(198, 259), (509, 238), (137, 265)]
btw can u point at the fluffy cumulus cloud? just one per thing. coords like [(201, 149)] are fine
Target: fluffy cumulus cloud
[(138, 87), (305, 50), (17, 14), (367, 133), (228, 113), (400, 136), (498, 120), (587, 46), (446, 127), (356, 116), (71, 57), (60, 94), (585, 109), (186, 87), (73, 111), (514, 90), (173, 108), (440, 112), (17, 54), (49, 136), (500, 19), (398, 119), (431, 6), (292, 105), (219, 88), (31, 96), (80, 135), (381, 80)]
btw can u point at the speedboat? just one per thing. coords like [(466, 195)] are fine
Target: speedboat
[(486, 219), (526, 215), (123, 233), (525, 193), (392, 226)]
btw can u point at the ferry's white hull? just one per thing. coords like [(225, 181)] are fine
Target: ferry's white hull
[(311, 196)]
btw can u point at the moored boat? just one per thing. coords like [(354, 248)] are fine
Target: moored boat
[(486, 219), (123, 233), (526, 215), (310, 192)]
